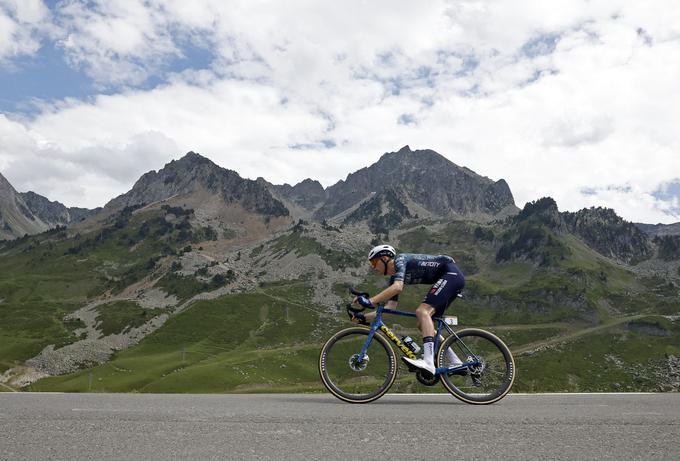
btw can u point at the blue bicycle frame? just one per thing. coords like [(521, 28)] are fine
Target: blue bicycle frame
[(378, 324)]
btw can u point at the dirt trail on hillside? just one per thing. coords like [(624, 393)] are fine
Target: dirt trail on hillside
[(571, 336)]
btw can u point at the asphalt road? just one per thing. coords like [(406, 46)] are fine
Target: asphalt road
[(152, 426)]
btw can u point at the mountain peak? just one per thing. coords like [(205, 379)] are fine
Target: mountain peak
[(5, 186), (308, 193), (194, 158), (544, 211), (608, 233), (425, 178), (193, 173)]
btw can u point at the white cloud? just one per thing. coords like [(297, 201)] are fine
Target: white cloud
[(556, 98), (80, 176), (22, 24)]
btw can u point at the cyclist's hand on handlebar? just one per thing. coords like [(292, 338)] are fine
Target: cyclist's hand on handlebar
[(358, 317), (364, 301)]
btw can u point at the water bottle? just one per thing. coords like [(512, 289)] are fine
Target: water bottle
[(411, 344)]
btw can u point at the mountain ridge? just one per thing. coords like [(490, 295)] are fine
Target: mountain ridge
[(428, 179), (428, 184)]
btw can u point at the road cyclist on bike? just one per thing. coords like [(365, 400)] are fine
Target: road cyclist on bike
[(440, 271)]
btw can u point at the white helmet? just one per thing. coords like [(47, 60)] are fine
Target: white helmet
[(381, 250)]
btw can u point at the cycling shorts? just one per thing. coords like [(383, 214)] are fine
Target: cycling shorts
[(445, 290)]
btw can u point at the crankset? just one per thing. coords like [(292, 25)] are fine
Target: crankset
[(426, 378)]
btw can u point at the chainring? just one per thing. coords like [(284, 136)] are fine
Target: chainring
[(426, 378)]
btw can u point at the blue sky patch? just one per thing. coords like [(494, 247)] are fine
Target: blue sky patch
[(321, 144), (406, 119), (668, 192), (46, 76), (540, 45)]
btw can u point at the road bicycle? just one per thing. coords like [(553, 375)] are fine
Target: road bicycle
[(358, 365)]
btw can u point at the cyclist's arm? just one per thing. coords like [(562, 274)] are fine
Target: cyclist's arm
[(389, 292)]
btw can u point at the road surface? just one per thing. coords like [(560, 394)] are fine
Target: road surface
[(285, 426)]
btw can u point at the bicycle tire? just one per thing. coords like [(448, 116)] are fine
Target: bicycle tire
[(351, 384), (487, 383)]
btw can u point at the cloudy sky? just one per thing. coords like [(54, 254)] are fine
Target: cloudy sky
[(578, 100)]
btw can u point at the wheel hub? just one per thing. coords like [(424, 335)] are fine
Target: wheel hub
[(355, 365)]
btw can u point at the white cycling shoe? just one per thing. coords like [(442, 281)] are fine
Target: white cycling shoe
[(421, 364)]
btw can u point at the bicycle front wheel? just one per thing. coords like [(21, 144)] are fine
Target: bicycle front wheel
[(490, 371), (350, 378)]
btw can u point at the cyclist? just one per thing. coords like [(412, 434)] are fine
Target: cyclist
[(447, 282)]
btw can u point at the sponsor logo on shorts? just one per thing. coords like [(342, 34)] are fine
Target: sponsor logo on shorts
[(438, 287)]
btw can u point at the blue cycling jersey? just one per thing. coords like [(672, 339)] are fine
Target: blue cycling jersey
[(440, 270), (420, 268)]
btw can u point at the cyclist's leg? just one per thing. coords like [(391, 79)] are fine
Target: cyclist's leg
[(442, 294), (424, 321)]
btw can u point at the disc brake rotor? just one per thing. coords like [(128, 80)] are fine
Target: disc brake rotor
[(355, 365)]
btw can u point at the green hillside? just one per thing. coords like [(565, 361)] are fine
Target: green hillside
[(46, 276)]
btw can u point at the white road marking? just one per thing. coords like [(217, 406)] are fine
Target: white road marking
[(544, 393)]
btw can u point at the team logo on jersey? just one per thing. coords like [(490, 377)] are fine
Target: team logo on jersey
[(428, 264)]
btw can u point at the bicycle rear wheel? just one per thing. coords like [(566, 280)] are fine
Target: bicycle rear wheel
[(490, 379), (352, 380)]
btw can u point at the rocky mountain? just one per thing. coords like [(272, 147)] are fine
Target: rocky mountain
[(16, 218), (534, 231), (383, 211), (426, 181), (308, 194), (533, 235), (603, 230), (194, 173), (660, 229), (55, 213), (30, 213)]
